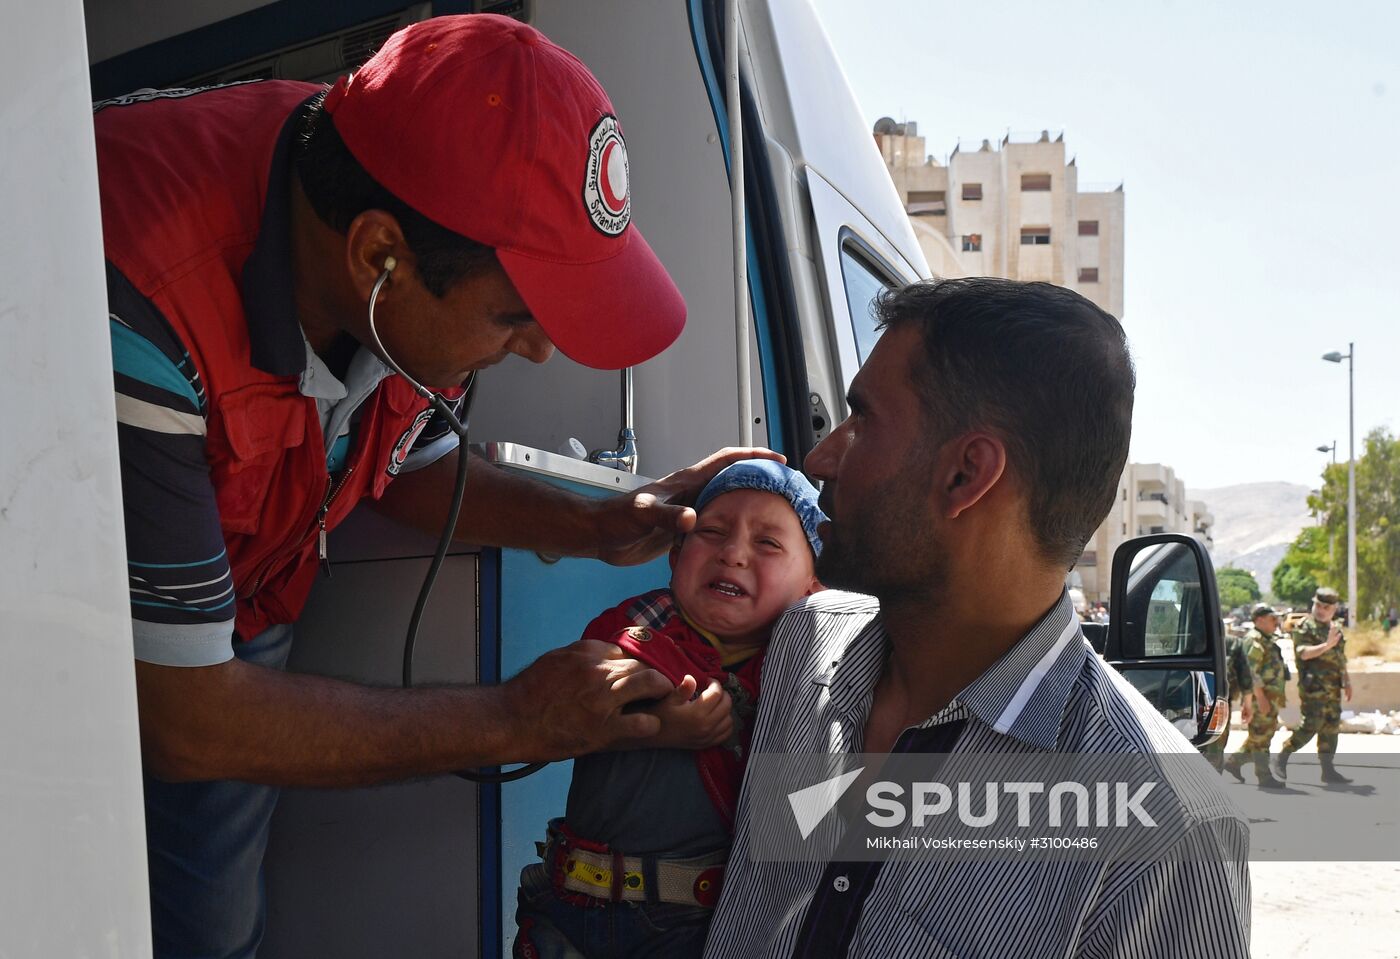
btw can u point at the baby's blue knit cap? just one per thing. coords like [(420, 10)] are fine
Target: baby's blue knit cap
[(770, 476)]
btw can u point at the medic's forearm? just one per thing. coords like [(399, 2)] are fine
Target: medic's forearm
[(245, 722), (499, 508)]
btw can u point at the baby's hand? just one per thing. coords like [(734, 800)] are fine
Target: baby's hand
[(692, 722)]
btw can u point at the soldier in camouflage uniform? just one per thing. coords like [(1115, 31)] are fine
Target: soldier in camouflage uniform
[(1240, 683), (1267, 671), (1321, 651)]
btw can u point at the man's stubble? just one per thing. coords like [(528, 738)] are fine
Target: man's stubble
[(885, 545)]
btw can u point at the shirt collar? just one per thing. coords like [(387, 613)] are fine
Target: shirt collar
[(1024, 694), (317, 381), (269, 301)]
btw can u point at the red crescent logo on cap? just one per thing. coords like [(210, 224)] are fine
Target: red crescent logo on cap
[(607, 196), (613, 178)]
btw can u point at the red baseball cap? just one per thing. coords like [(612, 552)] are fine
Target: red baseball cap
[(484, 126)]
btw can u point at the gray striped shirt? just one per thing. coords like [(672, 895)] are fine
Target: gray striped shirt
[(1049, 694)]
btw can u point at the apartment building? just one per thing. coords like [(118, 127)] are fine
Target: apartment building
[(1014, 209), (1151, 499)]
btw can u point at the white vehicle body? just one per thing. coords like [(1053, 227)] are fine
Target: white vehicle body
[(424, 869)]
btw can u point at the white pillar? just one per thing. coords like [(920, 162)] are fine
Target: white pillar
[(72, 833)]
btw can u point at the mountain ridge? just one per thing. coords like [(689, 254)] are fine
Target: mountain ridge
[(1255, 523)]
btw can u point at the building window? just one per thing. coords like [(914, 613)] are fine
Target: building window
[(972, 243), (1125, 529), (972, 191), (927, 203), (1088, 227), (1090, 558), (1035, 236), (1088, 274), (1035, 182)]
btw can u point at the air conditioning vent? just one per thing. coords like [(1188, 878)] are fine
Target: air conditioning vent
[(320, 60), (519, 9), (361, 43)]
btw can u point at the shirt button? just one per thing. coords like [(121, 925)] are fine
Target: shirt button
[(841, 884)]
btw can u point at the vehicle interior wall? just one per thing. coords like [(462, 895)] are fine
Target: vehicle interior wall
[(685, 398)]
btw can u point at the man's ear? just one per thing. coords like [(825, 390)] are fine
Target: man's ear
[(969, 467), (372, 237), (675, 551)]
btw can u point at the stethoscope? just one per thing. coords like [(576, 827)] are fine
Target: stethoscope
[(458, 426)]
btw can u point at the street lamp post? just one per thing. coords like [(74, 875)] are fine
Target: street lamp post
[(1353, 602), (1324, 448)]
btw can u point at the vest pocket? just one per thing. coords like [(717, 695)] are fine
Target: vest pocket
[(259, 424)]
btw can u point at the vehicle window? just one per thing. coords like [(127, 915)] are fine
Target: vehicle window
[(863, 283)]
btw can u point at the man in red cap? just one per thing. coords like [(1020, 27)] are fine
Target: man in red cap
[(278, 255)]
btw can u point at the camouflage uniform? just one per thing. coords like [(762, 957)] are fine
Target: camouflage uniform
[(1267, 671), (1320, 682), (1240, 683)]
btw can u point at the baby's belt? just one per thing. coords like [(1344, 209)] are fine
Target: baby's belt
[(592, 869)]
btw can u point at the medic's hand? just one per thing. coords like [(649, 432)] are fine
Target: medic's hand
[(570, 701), (641, 525), (689, 721)]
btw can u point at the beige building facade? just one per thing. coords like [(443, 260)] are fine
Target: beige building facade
[(1150, 499), (1014, 209)]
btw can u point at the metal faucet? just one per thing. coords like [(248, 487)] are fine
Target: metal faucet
[(625, 456)]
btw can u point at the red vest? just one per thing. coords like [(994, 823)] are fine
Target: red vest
[(676, 650), (184, 182)]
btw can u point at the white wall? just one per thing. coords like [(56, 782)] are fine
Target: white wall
[(72, 845)]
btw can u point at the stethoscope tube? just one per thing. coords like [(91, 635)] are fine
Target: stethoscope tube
[(458, 426)]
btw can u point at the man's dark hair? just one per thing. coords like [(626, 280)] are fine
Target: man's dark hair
[(339, 190), (1042, 368)]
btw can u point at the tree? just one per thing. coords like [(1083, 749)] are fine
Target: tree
[(1297, 575), (1377, 522), (1237, 587)]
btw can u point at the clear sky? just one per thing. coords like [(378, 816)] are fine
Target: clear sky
[(1259, 147)]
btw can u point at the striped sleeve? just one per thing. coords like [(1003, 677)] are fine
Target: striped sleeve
[(1194, 901), (182, 599)]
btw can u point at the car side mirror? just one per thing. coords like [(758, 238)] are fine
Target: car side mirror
[(1165, 634)]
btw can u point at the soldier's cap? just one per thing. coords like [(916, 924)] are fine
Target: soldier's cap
[(1263, 609), (1327, 595)]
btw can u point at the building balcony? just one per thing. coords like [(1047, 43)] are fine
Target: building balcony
[(1152, 507)]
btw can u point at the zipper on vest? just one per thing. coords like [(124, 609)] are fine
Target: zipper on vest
[(332, 491)]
